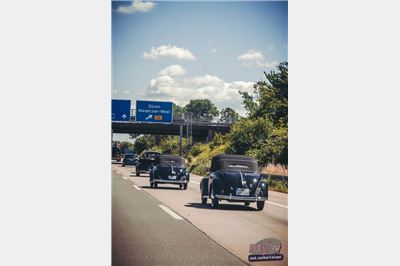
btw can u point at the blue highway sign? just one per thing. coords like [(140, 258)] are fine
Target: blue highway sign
[(153, 112), (121, 110)]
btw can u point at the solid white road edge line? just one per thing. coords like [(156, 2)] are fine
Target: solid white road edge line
[(168, 210), (138, 188), (276, 204), (194, 182)]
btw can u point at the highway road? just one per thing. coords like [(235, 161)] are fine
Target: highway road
[(146, 221)]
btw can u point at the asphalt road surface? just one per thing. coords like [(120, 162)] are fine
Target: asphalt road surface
[(169, 226)]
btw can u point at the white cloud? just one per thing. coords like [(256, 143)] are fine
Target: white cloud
[(170, 51), (271, 48), (173, 70), (182, 90), (253, 58), (136, 6), (213, 51), (251, 55)]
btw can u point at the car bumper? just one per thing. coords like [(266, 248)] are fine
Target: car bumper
[(169, 181), (240, 198)]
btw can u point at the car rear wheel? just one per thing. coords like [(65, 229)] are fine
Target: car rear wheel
[(260, 205), (247, 204), (137, 173), (185, 186), (151, 184), (214, 200), (155, 184), (203, 200)]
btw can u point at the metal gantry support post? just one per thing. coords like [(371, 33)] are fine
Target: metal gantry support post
[(180, 138)]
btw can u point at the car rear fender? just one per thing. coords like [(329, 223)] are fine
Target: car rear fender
[(204, 186), (263, 186)]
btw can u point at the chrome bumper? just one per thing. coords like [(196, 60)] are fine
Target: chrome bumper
[(240, 198), (171, 181)]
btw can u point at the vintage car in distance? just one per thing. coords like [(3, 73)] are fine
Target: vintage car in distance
[(146, 162), (129, 159), (169, 169), (234, 178)]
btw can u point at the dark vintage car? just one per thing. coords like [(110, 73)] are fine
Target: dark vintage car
[(146, 162), (129, 159), (234, 178), (169, 169)]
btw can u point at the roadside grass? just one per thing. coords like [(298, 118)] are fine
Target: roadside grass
[(200, 157), (277, 185), (275, 169)]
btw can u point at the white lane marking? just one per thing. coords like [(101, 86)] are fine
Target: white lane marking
[(170, 212), (118, 172), (124, 177), (138, 188), (276, 204), (194, 182)]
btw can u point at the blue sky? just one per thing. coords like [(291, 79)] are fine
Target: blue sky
[(177, 51)]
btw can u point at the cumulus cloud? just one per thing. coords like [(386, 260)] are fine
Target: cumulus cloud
[(136, 6), (181, 90), (169, 51), (253, 58), (173, 70)]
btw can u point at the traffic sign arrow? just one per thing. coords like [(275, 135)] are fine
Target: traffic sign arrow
[(124, 116), (149, 117)]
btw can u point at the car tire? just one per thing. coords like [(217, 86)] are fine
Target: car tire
[(247, 204), (203, 201), (123, 165), (180, 186), (260, 205), (185, 186), (137, 173), (214, 200), (155, 184), (151, 184)]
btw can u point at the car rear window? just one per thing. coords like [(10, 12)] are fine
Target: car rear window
[(238, 166)]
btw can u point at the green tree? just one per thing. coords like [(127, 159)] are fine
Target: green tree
[(228, 115), (264, 133), (143, 143), (177, 111), (270, 96), (202, 109)]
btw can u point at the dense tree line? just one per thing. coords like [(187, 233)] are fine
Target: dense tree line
[(264, 133)]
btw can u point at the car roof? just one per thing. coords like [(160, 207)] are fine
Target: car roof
[(168, 156), (233, 157), (227, 162)]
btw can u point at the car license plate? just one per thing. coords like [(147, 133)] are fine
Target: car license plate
[(171, 177), (242, 192)]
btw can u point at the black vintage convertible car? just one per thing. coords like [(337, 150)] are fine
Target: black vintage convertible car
[(169, 169), (146, 162), (234, 178)]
